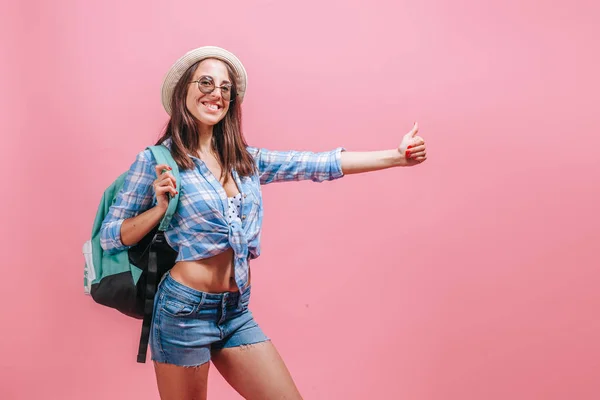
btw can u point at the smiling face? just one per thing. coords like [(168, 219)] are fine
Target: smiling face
[(209, 108)]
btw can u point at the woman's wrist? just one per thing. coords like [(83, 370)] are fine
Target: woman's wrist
[(397, 158), (161, 208)]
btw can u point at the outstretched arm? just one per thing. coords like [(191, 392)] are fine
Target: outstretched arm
[(410, 152), (282, 166)]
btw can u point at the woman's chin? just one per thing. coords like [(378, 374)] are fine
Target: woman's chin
[(209, 120)]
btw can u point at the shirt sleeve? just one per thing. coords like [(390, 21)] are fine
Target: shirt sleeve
[(282, 166), (135, 197)]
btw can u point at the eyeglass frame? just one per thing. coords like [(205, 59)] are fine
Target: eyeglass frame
[(215, 87)]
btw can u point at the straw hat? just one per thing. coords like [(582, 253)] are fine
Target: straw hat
[(193, 56)]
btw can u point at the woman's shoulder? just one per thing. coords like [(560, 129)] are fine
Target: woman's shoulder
[(145, 156), (253, 151), (144, 161)]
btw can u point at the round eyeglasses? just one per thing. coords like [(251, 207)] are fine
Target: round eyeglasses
[(206, 85)]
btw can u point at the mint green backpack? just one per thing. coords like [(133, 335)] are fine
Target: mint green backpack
[(127, 280)]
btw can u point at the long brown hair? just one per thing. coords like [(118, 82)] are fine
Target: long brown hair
[(228, 141)]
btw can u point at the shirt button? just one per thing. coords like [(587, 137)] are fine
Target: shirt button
[(245, 195), (243, 217)]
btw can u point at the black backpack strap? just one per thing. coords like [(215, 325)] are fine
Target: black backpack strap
[(151, 278)]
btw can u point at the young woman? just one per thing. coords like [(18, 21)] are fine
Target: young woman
[(201, 306)]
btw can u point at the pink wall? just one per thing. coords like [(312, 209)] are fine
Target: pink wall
[(473, 276)]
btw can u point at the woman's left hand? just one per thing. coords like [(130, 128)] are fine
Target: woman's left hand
[(412, 148)]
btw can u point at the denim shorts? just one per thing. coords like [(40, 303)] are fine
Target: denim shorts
[(187, 324)]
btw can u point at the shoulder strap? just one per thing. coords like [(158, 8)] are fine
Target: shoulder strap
[(162, 155), (151, 286)]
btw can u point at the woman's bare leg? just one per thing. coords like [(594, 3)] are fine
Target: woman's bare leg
[(181, 383), (256, 371)]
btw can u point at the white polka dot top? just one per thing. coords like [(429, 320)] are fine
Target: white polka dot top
[(235, 204)]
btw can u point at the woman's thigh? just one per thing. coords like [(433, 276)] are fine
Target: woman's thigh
[(256, 372), (181, 383)]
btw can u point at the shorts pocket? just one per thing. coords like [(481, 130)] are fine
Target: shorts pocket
[(177, 308)]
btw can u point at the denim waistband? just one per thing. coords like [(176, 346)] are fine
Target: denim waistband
[(189, 294)]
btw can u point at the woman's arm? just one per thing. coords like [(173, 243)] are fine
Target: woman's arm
[(354, 162), (135, 211), (281, 166), (134, 229), (410, 152), (284, 166)]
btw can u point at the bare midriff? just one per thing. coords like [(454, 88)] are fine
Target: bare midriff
[(211, 275)]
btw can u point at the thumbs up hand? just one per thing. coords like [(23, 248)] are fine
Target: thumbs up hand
[(412, 148)]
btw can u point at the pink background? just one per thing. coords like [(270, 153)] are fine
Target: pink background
[(473, 276)]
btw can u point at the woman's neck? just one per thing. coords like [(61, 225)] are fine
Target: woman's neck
[(205, 144)]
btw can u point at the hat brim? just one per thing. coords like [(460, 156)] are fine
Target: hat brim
[(192, 57)]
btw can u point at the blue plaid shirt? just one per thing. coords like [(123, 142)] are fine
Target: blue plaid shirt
[(200, 227)]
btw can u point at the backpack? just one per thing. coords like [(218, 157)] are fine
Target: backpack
[(127, 280)]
